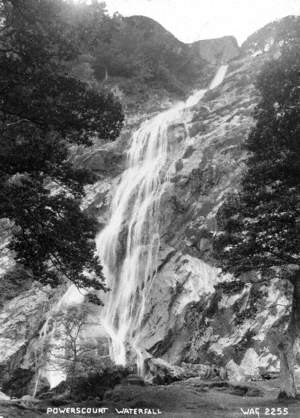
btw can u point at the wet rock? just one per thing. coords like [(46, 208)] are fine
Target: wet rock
[(182, 279), (176, 134), (162, 372)]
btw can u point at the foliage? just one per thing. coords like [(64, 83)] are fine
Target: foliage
[(44, 109), (97, 383), (67, 347), (83, 359), (259, 227), (140, 49), (17, 382), (70, 350), (286, 31)]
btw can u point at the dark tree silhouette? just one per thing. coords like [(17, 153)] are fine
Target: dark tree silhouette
[(259, 227), (44, 110)]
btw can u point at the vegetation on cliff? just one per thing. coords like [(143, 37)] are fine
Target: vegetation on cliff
[(139, 50), (259, 227), (58, 59)]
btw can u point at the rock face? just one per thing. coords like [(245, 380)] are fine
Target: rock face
[(212, 51), (272, 37), (194, 315), (20, 322), (216, 51)]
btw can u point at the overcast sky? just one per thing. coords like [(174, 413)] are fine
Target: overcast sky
[(191, 20)]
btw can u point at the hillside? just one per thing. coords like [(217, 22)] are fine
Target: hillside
[(146, 60), (195, 324)]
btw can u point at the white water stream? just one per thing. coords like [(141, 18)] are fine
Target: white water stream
[(129, 244)]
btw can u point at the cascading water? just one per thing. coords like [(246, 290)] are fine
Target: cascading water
[(129, 244)]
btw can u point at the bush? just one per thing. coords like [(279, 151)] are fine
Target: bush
[(97, 383)]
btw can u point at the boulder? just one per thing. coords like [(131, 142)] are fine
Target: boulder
[(235, 373), (28, 398), (162, 373)]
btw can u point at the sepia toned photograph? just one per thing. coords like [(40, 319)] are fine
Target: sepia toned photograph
[(150, 208)]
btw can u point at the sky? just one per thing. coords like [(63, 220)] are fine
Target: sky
[(191, 20)]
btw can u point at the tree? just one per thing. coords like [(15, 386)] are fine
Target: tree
[(259, 226), (68, 351), (44, 110)]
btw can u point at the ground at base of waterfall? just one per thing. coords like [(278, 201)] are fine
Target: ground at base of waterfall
[(186, 399)]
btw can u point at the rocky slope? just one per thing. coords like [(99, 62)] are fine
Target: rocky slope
[(194, 315), (217, 50), (151, 65)]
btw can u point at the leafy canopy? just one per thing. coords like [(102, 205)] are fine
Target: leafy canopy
[(43, 110), (259, 227)]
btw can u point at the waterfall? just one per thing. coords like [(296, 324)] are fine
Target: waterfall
[(128, 246), (219, 77)]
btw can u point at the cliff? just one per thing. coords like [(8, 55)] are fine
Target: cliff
[(151, 65), (216, 51), (193, 315)]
